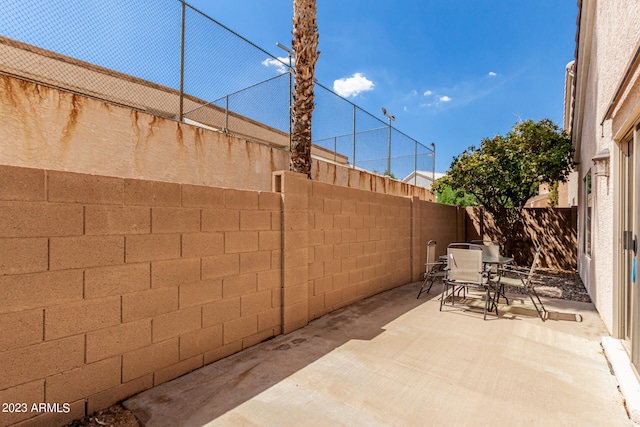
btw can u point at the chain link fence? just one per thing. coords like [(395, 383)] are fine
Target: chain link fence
[(171, 60)]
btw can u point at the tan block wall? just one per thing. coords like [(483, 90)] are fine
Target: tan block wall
[(111, 286)]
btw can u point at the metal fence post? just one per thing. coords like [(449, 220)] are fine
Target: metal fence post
[(415, 162), (184, 13), (354, 137), (226, 114)]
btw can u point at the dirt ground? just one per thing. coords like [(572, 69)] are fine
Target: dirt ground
[(549, 283)]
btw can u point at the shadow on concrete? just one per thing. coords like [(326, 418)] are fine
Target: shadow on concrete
[(201, 396)]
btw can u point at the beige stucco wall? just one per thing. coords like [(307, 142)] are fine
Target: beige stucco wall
[(609, 32), (53, 129)]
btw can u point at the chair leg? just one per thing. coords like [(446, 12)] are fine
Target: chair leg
[(445, 294), (540, 309), (428, 278), (433, 279)]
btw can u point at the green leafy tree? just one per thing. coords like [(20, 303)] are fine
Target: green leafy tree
[(449, 196), (505, 171)]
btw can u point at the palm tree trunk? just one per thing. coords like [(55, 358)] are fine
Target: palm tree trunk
[(305, 48)]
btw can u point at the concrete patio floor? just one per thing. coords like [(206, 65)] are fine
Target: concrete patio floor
[(392, 360)]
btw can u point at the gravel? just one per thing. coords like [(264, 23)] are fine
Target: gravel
[(557, 284)]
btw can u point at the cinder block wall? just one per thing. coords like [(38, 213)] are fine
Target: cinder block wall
[(110, 286), (359, 245)]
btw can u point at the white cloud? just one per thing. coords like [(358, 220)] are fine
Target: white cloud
[(352, 86), (492, 74), (445, 99), (427, 93), (278, 64)]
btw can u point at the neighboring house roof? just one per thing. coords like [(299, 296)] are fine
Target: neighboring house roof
[(422, 178)]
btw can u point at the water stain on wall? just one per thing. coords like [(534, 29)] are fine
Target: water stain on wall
[(71, 124)]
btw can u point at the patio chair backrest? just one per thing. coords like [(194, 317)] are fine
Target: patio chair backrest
[(536, 258), (431, 251), (464, 263)]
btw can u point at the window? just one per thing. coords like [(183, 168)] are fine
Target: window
[(588, 213)]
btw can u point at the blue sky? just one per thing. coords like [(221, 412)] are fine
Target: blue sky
[(451, 71)]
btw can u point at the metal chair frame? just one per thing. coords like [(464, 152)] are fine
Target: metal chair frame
[(433, 268), (465, 269), (524, 281)]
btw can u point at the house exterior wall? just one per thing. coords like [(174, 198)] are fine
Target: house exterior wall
[(608, 36)]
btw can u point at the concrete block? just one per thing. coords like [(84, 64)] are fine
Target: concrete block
[(152, 247), (255, 220), (175, 272), (176, 323), (175, 220), (22, 328), (295, 317), (81, 382), (240, 199), (111, 396), (219, 266), (40, 360), (150, 303), (295, 294), (28, 219), (322, 285), (151, 193), (255, 261), (269, 240), (222, 352), (269, 279), (200, 341), (149, 359), (240, 328), (348, 207), (255, 303), (240, 241), (23, 255), (202, 197), (106, 281), (178, 369), (117, 220), (321, 189), (81, 188), (241, 284), (202, 292), (202, 244), (81, 317), (270, 319), (257, 338), (22, 184), (219, 312), (29, 291), (276, 220), (117, 340), (220, 220), (85, 251), (269, 201)]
